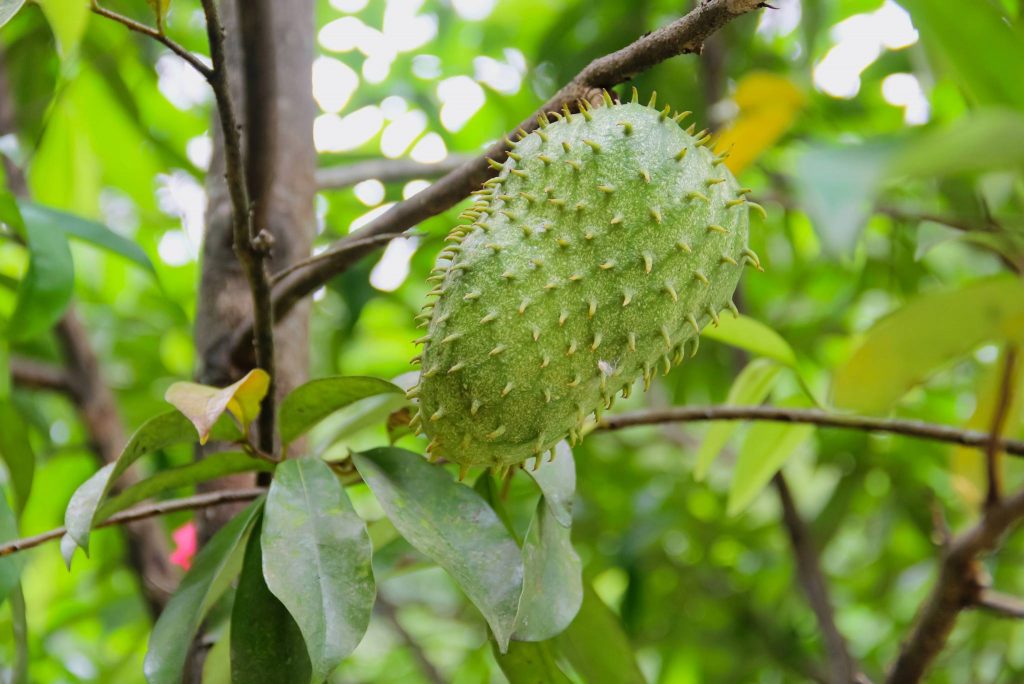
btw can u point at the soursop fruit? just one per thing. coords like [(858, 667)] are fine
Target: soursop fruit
[(609, 238)]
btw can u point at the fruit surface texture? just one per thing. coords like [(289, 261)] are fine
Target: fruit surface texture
[(609, 238)]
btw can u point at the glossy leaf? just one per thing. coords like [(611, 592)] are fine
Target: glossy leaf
[(209, 467), (557, 482), (47, 218), (16, 452), (204, 405), (530, 663), (266, 644), (46, 288), (316, 560), (8, 8), (753, 336), (452, 525), (596, 645), (765, 449), (552, 580), (908, 345), (213, 569), (310, 403)]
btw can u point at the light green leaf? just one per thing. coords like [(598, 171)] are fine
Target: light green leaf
[(209, 467), (8, 8), (753, 336), (749, 388), (530, 663), (213, 569), (46, 288), (317, 560), (68, 19), (46, 218), (310, 403), (954, 148), (453, 526), (160, 432), (557, 482), (908, 345), (266, 644), (19, 625), (596, 645), (204, 405), (767, 446), (552, 581), (16, 452)]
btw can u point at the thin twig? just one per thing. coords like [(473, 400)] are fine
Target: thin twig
[(843, 667), (1000, 604), (354, 244), (250, 244), (1003, 403), (156, 34), (907, 428), (960, 585), (38, 375), (384, 170), (685, 35), (191, 503)]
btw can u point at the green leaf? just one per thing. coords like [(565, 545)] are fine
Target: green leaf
[(310, 403), (954, 149), (8, 8), (452, 525), (5, 369), (906, 346), (749, 388), (552, 580), (753, 336), (45, 290), (46, 218), (557, 482), (213, 569), (19, 625), (160, 432), (209, 467), (317, 560), (10, 565), (68, 19), (16, 452), (266, 644), (990, 75), (530, 663), (204, 405), (596, 645), (766, 448)]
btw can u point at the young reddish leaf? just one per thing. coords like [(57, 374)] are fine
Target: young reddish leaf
[(204, 405)]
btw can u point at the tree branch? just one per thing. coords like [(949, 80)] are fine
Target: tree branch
[(251, 244), (992, 449), (960, 585), (685, 35), (38, 375), (843, 667), (907, 428), (191, 503), (384, 170), (156, 34)]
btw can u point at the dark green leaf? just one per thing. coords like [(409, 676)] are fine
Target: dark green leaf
[(5, 370), (16, 452), (266, 644), (596, 645), (213, 569), (452, 525), (310, 403), (531, 663), (557, 481), (317, 560), (10, 565), (553, 581), (207, 468), (46, 288), (46, 218)]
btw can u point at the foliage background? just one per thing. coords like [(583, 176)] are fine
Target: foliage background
[(115, 129)]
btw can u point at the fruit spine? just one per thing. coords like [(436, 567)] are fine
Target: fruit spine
[(609, 238)]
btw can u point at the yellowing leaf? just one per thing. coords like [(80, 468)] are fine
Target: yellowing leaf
[(768, 106), (904, 348), (203, 405)]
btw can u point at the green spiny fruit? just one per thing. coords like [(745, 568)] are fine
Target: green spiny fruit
[(608, 239)]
